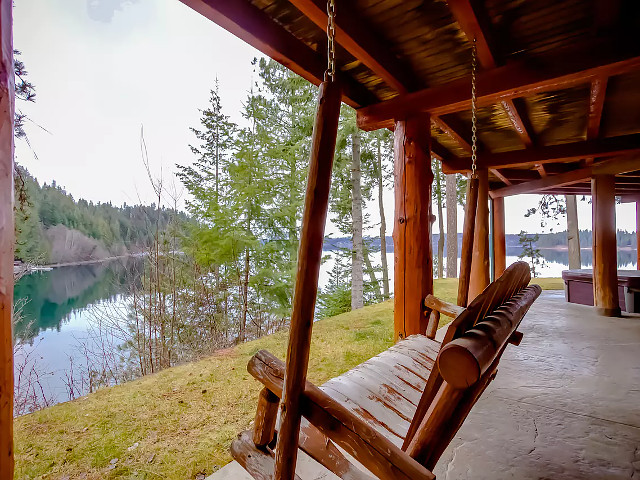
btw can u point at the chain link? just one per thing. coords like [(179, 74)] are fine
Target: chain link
[(331, 35), (474, 127)]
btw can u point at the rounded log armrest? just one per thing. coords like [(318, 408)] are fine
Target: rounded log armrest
[(464, 360)]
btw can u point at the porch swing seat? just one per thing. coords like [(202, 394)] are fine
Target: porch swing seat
[(396, 412)]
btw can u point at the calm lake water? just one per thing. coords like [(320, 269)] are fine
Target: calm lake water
[(59, 305)]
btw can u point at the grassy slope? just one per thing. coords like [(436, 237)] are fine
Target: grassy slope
[(185, 417)]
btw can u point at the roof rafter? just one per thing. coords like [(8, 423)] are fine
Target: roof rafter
[(612, 167), (549, 72), (255, 27), (355, 36), (453, 131), (603, 147), (469, 17)]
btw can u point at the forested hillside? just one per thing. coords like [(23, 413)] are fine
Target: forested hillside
[(47, 215)]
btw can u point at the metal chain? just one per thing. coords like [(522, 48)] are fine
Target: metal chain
[(474, 127), (331, 35)]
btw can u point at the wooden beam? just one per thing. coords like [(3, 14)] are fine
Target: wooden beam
[(541, 170), (413, 260), (6, 239), (499, 238), (453, 132), (440, 151), (480, 277), (359, 39), (501, 176), (612, 167), (605, 252), (467, 17), (522, 78), (255, 27), (602, 147), (516, 111), (323, 143), (597, 96)]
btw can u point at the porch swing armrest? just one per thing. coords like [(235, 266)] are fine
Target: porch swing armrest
[(445, 308), (378, 454)]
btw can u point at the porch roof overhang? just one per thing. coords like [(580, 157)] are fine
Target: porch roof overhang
[(558, 87)]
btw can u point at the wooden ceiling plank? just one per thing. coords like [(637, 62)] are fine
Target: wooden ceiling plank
[(358, 38), (502, 83), (255, 27), (440, 151), (612, 166), (602, 147)]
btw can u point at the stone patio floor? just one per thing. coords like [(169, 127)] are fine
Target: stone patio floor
[(565, 404)]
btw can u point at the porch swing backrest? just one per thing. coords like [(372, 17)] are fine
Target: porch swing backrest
[(514, 279)]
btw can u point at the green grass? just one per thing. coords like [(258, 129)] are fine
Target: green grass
[(184, 418)]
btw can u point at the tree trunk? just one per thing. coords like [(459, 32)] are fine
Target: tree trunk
[(383, 230), (357, 282), (372, 275), (438, 189), (573, 232), (245, 297), (452, 226)]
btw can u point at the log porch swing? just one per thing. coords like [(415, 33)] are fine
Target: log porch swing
[(555, 111), (396, 413)]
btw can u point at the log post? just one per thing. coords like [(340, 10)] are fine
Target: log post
[(6, 238), (638, 233), (573, 233), (468, 230), (413, 261), (265, 422), (605, 251), (499, 237), (323, 144), (480, 260)]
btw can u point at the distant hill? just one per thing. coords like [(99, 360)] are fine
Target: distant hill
[(546, 240), (53, 227)]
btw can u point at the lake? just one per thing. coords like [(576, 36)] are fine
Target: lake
[(58, 306)]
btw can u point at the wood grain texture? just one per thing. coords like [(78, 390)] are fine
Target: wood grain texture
[(445, 308), (468, 232), (339, 423), (306, 287), (605, 252), (413, 262), (555, 71), (6, 239), (480, 277), (259, 463), (499, 238)]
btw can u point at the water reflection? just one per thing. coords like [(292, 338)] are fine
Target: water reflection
[(49, 298)]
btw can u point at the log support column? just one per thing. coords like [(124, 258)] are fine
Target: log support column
[(413, 260), (605, 252), (480, 260), (6, 239), (638, 233), (499, 238)]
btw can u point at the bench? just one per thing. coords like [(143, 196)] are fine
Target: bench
[(397, 412)]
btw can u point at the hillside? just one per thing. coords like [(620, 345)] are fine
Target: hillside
[(179, 423), (53, 227)]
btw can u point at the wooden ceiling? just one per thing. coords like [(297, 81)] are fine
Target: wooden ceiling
[(558, 81)]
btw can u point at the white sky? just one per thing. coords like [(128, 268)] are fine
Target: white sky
[(104, 68)]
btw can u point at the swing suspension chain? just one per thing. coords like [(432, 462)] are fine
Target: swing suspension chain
[(474, 127), (331, 35)]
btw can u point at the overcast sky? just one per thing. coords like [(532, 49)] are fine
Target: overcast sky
[(104, 68)]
